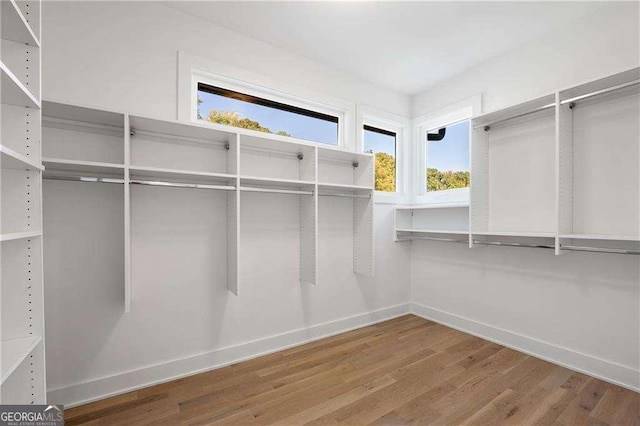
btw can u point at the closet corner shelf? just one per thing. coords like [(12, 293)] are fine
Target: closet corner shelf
[(81, 166), (162, 173), (434, 206), (10, 159), (15, 26), (433, 231), (601, 237), (9, 236), (13, 92), (516, 234), (14, 352)]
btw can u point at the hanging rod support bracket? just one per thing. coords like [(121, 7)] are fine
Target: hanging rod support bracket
[(355, 164), (300, 156)]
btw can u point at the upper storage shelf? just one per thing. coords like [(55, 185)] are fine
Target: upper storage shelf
[(14, 92), (15, 26), (599, 147), (180, 148), (513, 163), (277, 159), (343, 169), (82, 139)]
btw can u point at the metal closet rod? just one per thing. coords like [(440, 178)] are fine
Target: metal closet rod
[(93, 179), (182, 185), (601, 92), (345, 195), (446, 240), (508, 244), (487, 126)]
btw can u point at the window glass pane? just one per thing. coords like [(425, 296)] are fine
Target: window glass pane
[(448, 158), (237, 109), (382, 143)]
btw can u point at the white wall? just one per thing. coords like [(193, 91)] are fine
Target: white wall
[(123, 56), (579, 309), (598, 45)]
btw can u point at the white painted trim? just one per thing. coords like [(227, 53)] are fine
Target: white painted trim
[(104, 387), (608, 371)]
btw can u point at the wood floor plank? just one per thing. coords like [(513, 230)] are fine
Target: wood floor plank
[(404, 371)]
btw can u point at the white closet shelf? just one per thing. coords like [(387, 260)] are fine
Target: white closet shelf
[(601, 237), (335, 153), (14, 352), (179, 132), (340, 186), (434, 206), (516, 234), (9, 236), (15, 26), (162, 173), (10, 159), (13, 92), (275, 183), (539, 104), (433, 231), (81, 166), (262, 142)]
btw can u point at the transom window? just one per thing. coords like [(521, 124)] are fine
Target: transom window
[(448, 158), (382, 143), (223, 106)]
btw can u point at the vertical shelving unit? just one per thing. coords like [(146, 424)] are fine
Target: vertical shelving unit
[(598, 173), (22, 368), (85, 146), (513, 173), (351, 175), (557, 172)]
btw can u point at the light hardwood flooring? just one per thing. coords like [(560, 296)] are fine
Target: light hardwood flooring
[(403, 371)]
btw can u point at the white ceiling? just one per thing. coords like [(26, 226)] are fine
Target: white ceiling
[(405, 46)]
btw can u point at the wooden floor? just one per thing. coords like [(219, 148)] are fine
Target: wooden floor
[(404, 371)]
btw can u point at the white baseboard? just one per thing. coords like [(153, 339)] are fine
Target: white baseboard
[(617, 374), (99, 388)]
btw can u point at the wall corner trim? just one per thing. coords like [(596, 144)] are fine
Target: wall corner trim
[(608, 371), (99, 388)]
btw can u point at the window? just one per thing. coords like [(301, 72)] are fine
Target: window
[(448, 158), (237, 109), (382, 143)]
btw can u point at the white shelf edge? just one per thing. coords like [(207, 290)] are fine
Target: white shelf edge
[(29, 164), (603, 237), (433, 206), (344, 186), (433, 231), (16, 9), (14, 352), (277, 180), (134, 168), (63, 161), (10, 236), (35, 103)]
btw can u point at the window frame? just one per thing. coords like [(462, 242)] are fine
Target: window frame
[(193, 69), (401, 126), (270, 103), (454, 114)]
